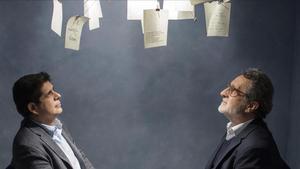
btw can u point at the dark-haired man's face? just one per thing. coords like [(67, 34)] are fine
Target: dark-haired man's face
[(234, 101), (50, 105)]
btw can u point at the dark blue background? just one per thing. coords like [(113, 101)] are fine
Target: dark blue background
[(134, 108)]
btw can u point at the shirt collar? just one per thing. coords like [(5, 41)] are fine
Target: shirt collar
[(56, 128), (233, 131)]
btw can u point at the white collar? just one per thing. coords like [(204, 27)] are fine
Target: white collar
[(56, 128), (233, 131)]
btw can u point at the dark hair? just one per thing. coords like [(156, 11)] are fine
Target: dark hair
[(28, 89), (261, 90)]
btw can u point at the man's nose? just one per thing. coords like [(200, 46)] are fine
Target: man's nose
[(224, 92), (57, 95)]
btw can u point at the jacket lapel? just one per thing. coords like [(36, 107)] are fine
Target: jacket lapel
[(233, 144), (212, 158), (237, 140), (56, 149), (74, 148), (45, 137)]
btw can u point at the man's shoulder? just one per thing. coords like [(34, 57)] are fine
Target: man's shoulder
[(259, 144), (27, 135), (259, 137)]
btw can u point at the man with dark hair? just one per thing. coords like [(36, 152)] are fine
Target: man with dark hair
[(42, 141), (248, 143)]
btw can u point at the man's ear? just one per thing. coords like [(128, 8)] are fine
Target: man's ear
[(252, 106), (32, 108)]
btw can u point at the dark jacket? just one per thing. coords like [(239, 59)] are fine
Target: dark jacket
[(253, 148), (33, 148)]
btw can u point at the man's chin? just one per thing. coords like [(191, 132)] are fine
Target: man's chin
[(221, 109), (59, 111)]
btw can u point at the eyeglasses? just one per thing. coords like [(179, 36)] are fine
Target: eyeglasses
[(234, 92)]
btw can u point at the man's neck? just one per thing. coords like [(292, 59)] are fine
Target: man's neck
[(240, 119), (48, 121)]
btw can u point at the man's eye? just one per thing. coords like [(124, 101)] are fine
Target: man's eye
[(50, 93)]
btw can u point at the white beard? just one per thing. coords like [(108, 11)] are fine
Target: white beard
[(224, 108), (221, 108)]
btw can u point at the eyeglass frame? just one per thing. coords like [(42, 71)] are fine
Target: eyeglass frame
[(231, 89)]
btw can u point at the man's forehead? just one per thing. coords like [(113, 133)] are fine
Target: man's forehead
[(46, 86), (241, 82)]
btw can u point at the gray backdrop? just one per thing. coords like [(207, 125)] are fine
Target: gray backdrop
[(293, 148), (134, 108)]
